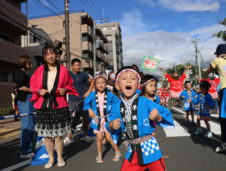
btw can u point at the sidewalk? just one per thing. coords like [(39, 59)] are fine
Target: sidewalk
[(9, 143), (9, 130)]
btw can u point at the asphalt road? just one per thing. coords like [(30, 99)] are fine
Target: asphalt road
[(185, 152)]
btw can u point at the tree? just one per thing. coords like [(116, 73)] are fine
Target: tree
[(221, 34)]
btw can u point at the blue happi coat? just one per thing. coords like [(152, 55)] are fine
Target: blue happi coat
[(157, 99), (90, 103), (150, 150), (185, 96), (203, 101)]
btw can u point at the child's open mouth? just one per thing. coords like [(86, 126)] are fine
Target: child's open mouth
[(128, 87)]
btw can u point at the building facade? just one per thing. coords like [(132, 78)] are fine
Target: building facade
[(33, 43), (13, 24), (112, 31), (81, 38)]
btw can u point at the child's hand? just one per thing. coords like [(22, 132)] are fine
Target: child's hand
[(115, 124), (189, 100), (91, 113), (154, 115), (207, 107)]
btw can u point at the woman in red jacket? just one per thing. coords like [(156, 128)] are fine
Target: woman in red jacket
[(49, 84)]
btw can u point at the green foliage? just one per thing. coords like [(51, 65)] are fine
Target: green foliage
[(6, 111), (221, 34), (194, 71)]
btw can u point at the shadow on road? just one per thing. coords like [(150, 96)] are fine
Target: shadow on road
[(201, 139), (10, 153), (76, 147)]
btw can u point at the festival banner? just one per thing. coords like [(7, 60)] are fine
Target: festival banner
[(150, 63)]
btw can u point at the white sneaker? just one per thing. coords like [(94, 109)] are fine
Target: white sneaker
[(67, 140), (198, 131), (208, 134), (221, 148)]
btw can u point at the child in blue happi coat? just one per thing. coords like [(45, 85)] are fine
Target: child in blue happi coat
[(135, 116), (99, 104), (149, 87), (188, 96), (205, 103)]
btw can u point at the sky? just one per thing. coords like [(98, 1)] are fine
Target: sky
[(163, 29)]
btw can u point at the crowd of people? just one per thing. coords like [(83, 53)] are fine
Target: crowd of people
[(127, 105)]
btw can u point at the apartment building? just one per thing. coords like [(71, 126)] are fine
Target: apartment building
[(112, 31), (13, 25), (33, 43), (81, 37)]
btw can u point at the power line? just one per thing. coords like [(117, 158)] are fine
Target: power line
[(92, 7), (93, 12), (50, 9), (61, 10)]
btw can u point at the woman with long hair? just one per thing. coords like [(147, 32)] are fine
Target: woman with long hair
[(50, 83)]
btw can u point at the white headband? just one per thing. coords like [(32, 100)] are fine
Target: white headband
[(101, 75), (148, 82), (131, 70)]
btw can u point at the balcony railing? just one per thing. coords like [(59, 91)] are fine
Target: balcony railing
[(13, 15), (10, 52)]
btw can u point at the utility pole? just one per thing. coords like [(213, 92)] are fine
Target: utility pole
[(67, 34), (197, 60)]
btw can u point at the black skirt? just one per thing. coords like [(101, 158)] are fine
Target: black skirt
[(53, 122)]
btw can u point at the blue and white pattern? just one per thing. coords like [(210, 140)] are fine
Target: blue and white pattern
[(150, 146)]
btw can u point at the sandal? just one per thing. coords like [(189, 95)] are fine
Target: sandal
[(48, 165), (99, 158), (118, 156), (61, 164)]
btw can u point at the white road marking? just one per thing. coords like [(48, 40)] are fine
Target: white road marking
[(177, 131), (180, 131)]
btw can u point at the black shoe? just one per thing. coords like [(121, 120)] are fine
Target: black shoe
[(16, 119), (193, 124)]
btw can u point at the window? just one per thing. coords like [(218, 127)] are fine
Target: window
[(7, 77), (3, 77)]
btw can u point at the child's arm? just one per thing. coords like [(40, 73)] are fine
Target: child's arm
[(182, 96), (160, 114), (154, 115), (114, 119), (210, 103), (87, 101), (91, 113), (115, 124)]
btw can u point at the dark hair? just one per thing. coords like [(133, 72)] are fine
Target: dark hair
[(145, 78), (23, 60), (187, 82), (221, 49), (135, 67), (48, 48), (75, 60), (205, 85)]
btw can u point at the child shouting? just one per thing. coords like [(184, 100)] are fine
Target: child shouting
[(135, 115), (99, 104)]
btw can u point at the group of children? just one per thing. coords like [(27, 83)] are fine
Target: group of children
[(135, 112), (204, 102), (131, 110)]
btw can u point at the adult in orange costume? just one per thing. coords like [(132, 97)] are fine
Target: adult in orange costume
[(176, 83)]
